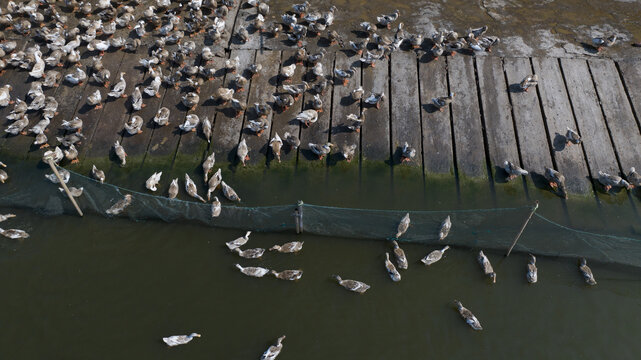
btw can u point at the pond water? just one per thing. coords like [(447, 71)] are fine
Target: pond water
[(112, 288)]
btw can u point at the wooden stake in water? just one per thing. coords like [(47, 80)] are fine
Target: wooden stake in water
[(64, 186), (536, 206), (298, 215)]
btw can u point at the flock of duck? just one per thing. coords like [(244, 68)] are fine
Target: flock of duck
[(96, 28), (361, 287)]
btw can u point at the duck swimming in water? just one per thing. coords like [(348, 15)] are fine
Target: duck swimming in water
[(434, 256), (290, 247), (401, 259), (250, 253), (291, 275), (403, 226), (14, 233), (176, 340), (467, 315), (446, 225), (486, 266), (586, 272), (253, 271), (391, 269), (352, 285), (231, 245), (532, 272), (120, 206), (272, 352)]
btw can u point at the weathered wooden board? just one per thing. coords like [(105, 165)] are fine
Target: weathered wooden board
[(245, 19), (192, 147), (497, 112), (631, 72), (596, 141), (319, 132), (375, 134), (20, 82), (533, 142), (230, 21), (227, 128), (90, 116), (618, 113), (437, 133), (342, 106), (164, 140), (262, 92), (405, 104), (468, 132), (116, 111), (136, 145), (557, 112), (285, 121)]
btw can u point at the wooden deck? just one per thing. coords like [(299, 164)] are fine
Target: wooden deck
[(490, 120)]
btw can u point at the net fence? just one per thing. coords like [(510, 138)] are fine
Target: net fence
[(478, 228)]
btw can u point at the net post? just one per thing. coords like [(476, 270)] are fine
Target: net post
[(64, 186), (536, 206), (298, 217)]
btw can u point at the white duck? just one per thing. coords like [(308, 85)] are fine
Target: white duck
[(229, 193), (446, 225), (352, 285), (434, 256), (403, 226), (216, 207), (153, 181), (238, 242), (191, 189), (272, 352), (176, 340), (391, 269), (467, 315), (253, 271)]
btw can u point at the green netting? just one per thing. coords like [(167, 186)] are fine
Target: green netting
[(481, 228)]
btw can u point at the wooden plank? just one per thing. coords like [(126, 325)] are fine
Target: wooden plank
[(116, 111), (468, 134), (631, 72), (263, 88), (596, 142), (227, 129), (230, 20), (245, 19), (404, 97), (320, 131), (437, 133), (557, 110), (91, 117), (618, 113), (499, 128), (20, 82), (342, 106), (285, 121), (192, 147), (136, 145), (533, 142)]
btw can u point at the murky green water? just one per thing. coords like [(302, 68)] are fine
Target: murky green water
[(111, 288)]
